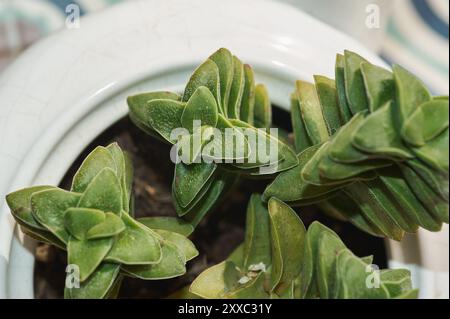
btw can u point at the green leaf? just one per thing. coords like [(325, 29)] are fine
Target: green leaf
[(289, 186), (96, 161), (224, 61), (326, 91), (417, 213), (344, 207), (164, 116), (354, 274), (330, 169), (329, 246), (111, 226), (374, 209), (214, 281), (87, 254), (382, 125), (257, 235), (184, 245), (341, 149), (219, 187), (410, 92), (20, 204), (435, 153), (103, 193), (97, 286), (311, 113), (426, 122), (136, 245), (437, 182), (172, 224), (189, 180), (396, 281), (354, 82), (379, 84), (393, 206), (436, 206), (236, 90), (171, 265), (287, 234), (138, 106), (207, 74), (124, 170), (248, 96), (301, 137), (311, 173), (49, 206), (201, 107), (344, 108), (79, 220), (262, 109)]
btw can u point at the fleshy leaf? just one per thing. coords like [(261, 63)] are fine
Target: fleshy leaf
[(96, 161), (257, 236), (98, 285), (103, 193), (87, 254), (111, 226), (172, 224), (354, 82), (79, 220), (189, 180), (214, 281), (262, 109), (171, 265), (49, 206), (236, 90), (426, 122), (136, 245), (287, 234), (201, 107), (207, 74)]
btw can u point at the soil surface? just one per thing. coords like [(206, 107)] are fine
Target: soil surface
[(217, 235)]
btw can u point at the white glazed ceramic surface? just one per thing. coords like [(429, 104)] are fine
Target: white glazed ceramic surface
[(64, 91)]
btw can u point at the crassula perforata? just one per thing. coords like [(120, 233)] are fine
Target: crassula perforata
[(372, 148), (281, 259), (94, 223), (222, 95)]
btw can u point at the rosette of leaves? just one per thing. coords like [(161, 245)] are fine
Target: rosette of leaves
[(372, 148), (93, 222), (281, 259), (221, 96)]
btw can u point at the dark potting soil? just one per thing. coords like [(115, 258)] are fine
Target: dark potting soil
[(216, 236)]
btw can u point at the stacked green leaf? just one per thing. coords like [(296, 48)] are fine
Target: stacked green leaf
[(221, 96), (372, 148), (280, 259), (93, 223)]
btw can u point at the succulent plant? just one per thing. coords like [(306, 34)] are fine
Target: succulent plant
[(372, 148), (220, 95), (94, 223), (281, 259)]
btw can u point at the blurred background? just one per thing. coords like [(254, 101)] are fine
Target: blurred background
[(413, 33)]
